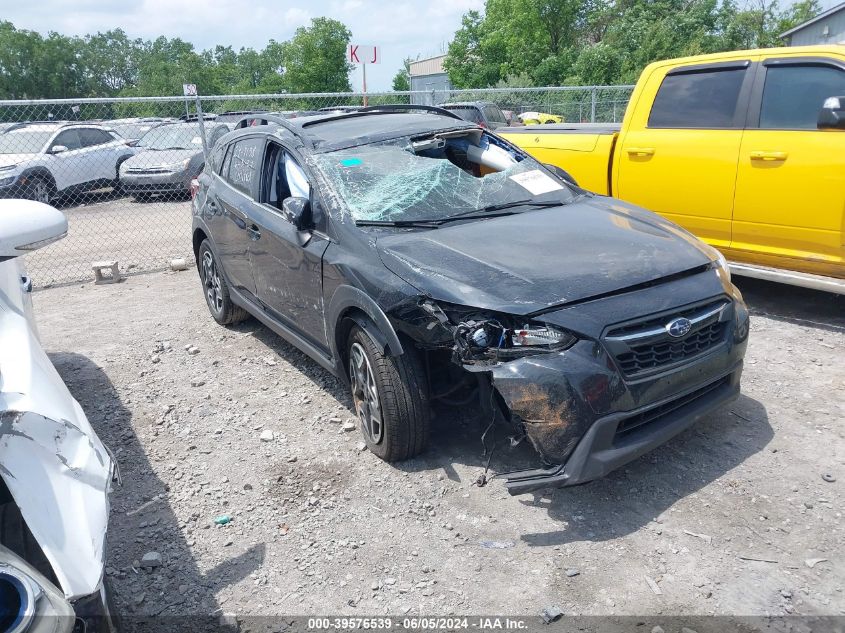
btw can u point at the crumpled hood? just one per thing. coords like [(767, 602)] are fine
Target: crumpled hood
[(13, 159), (151, 158), (51, 460), (531, 261)]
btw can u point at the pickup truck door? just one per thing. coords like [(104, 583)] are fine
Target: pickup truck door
[(790, 190), (678, 157)]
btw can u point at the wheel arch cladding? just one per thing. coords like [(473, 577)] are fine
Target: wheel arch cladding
[(198, 237), (349, 305), (39, 172)]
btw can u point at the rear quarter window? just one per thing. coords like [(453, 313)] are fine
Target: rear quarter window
[(244, 158)]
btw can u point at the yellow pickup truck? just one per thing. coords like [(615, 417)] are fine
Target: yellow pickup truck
[(744, 149)]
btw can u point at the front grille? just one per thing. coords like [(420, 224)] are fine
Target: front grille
[(645, 357), (661, 412), (646, 345)]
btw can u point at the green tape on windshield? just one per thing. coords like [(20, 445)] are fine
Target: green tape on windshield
[(350, 162)]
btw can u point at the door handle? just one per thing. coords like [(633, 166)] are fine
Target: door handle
[(769, 156), (640, 151), (254, 232), (26, 284)]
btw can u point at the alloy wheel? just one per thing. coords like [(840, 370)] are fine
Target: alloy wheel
[(41, 192), (365, 394), (211, 281)]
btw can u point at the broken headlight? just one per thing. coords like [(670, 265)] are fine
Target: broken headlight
[(498, 340), (28, 601)]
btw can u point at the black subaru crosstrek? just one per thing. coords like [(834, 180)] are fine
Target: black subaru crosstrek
[(420, 258)]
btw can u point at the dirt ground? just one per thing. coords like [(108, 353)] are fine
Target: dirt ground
[(731, 517)]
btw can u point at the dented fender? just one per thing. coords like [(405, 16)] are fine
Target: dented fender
[(51, 460)]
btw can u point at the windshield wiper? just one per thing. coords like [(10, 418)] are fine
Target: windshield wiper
[(491, 208), (425, 224), (164, 149)]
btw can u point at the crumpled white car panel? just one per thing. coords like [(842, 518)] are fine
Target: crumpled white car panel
[(51, 460)]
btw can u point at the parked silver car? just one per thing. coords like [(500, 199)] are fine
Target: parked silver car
[(55, 473), (169, 157)]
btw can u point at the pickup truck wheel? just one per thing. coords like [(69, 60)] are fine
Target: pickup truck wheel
[(390, 399), (216, 290), (40, 190)]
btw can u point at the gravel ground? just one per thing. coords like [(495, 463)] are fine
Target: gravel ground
[(141, 236), (731, 517)]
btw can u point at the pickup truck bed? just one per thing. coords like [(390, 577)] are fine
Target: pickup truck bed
[(592, 144)]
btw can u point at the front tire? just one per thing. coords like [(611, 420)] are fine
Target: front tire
[(216, 290), (389, 397), (40, 189)]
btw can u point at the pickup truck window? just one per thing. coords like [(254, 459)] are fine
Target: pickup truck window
[(793, 95), (703, 99)]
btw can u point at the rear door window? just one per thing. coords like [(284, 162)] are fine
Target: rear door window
[(701, 99), (467, 113), (494, 114), (92, 136), (244, 158), (794, 95)]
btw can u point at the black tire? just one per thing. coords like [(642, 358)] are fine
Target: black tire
[(216, 290), (401, 397), (15, 535), (40, 189)]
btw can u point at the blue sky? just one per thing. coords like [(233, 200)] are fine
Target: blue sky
[(403, 28)]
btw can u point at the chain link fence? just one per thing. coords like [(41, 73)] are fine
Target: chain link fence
[(121, 169)]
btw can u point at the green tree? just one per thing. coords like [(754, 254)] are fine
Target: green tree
[(605, 41), (314, 59), (110, 61), (402, 78)]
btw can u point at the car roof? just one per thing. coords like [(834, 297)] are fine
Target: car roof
[(333, 131)]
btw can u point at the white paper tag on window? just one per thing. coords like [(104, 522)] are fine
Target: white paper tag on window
[(196, 141), (536, 182)]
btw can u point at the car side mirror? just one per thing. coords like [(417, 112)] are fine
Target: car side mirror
[(832, 115), (297, 211), (58, 149), (561, 173), (26, 225)]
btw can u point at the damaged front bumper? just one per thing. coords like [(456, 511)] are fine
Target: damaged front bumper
[(607, 444), (587, 414)]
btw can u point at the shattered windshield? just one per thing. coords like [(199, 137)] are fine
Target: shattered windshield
[(434, 178)]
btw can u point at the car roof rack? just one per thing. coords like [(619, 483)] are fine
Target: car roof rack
[(268, 119), (384, 109), (393, 107), (22, 124)]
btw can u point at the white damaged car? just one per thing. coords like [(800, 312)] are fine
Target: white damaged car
[(55, 473)]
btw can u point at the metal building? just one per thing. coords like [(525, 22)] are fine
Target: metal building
[(825, 28), (429, 75)]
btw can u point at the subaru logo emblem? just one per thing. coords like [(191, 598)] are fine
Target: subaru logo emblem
[(678, 327)]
